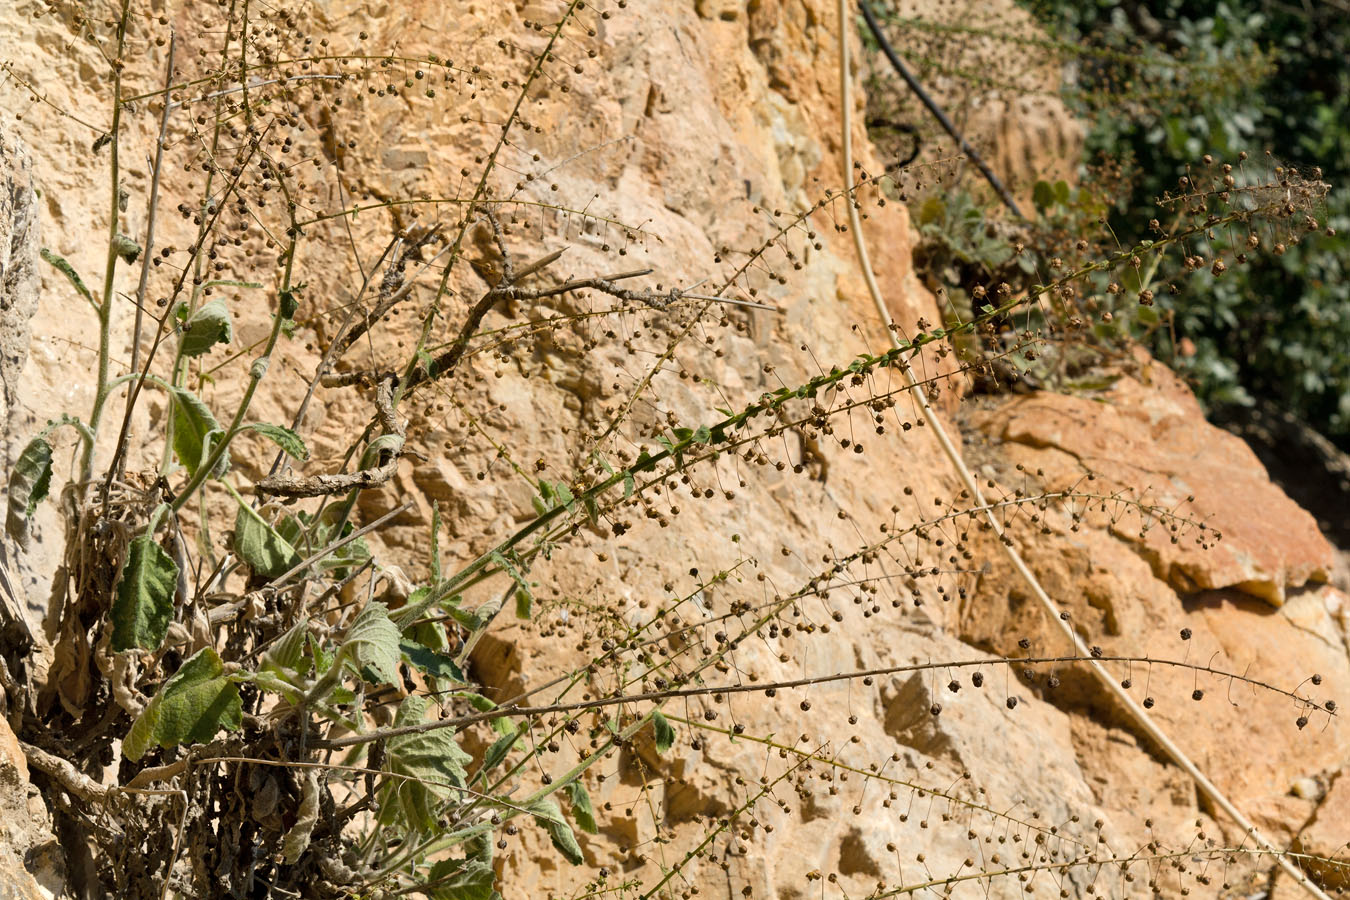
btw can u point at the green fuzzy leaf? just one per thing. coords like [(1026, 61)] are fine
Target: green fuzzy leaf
[(29, 481), (287, 653), (665, 735), (373, 641), (66, 269), (143, 606), (195, 430), (208, 326), (565, 497), (1061, 192), (582, 810), (190, 708), (267, 553), (289, 302), (461, 879), (497, 752), (429, 661), (428, 363), (524, 597), (323, 659), (284, 438), (433, 758), (550, 818)]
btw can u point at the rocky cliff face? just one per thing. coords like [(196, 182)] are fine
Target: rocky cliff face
[(689, 135)]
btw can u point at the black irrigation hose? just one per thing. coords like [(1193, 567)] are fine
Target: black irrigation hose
[(903, 71)]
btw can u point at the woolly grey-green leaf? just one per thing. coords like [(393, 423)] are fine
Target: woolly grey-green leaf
[(550, 818), (267, 553), (66, 269), (208, 326), (190, 708), (582, 810), (283, 437), (288, 651), (432, 762), (195, 431), (29, 481), (373, 641), (297, 839)]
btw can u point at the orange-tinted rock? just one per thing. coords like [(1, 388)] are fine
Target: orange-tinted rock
[(1152, 442)]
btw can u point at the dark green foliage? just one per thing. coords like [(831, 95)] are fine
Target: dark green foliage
[(1278, 327)]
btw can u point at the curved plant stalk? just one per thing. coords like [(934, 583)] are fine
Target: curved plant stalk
[(109, 275), (1145, 722)]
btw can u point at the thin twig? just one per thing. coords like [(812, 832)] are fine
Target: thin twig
[(328, 484)]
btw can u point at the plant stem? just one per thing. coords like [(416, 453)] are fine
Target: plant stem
[(255, 376), (110, 272)]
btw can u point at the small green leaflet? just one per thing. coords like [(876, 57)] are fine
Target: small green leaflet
[(550, 818), (284, 438), (29, 481), (497, 752), (288, 651), (524, 597), (290, 301), (373, 641), (432, 758), (267, 553), (323, 661), (428, 364), (429, 661), (143, 606), (565, 497), (68, 270), (582, 810), (195, 429), (665, 735), (190, 707), (483, 704)]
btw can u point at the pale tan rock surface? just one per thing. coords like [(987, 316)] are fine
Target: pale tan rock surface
[(691, 116), (1326, 836)]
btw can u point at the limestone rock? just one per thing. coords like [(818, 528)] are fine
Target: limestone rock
[(1328, 837), (19, 243)]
